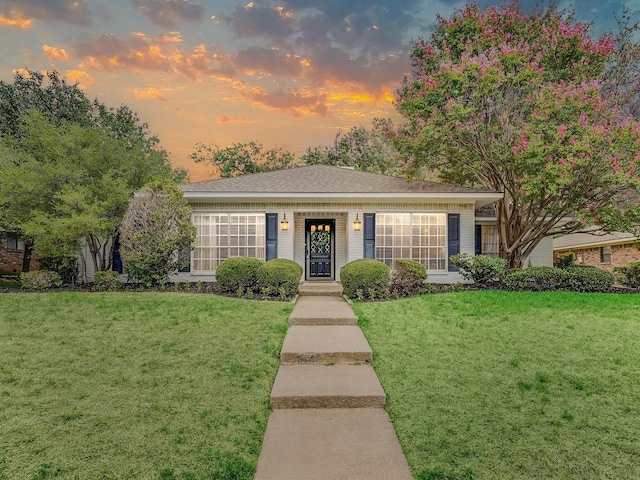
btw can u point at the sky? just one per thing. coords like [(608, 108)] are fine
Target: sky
[(283, 73)]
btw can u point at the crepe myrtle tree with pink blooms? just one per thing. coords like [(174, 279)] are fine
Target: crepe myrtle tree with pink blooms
[(511, 101)]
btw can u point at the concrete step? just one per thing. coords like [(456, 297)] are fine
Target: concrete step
[(322, 310), (321, 288), (327, 386), (340, 444), (325, 344)]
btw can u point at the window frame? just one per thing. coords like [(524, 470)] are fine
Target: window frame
[(218, 240), (606, 253), (13, 243), (417, 236)]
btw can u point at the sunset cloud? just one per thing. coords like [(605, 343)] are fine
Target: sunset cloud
[(258, 20), (167, 13), (15, 18), (292, 100), (226, 119), (74, 12), (82, 78), (164, 52), (54, 53), (150, 94), (271, 61)]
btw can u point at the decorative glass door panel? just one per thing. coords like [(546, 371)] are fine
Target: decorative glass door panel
[(320, 234)]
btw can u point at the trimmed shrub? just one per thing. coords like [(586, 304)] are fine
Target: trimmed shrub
[(40, 279), (575, 279), (237, 272), (567, 260), (408, 277), (535, 279), (280, 275), (106, 281), (481, 269), (629, 275), (365, 275), (582, 278)]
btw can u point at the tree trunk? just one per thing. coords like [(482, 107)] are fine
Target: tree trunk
[(26, 258)]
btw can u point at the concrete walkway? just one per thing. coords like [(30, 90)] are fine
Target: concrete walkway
[(328, 420)]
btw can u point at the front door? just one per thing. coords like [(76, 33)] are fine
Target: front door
[(319, 247)]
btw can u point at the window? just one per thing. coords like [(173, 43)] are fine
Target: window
[(223, 235), (490, 240), (416, 236), (605, 254), (14, 244)]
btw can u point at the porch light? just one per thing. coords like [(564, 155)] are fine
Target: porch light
[(284, 224), (357, 224)]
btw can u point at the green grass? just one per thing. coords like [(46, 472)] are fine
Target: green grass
[(502, 385), (135, 385)]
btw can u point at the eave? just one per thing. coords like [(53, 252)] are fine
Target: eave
[(478, 199)]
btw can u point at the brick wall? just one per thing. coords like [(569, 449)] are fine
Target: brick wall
[(621, 255), (11, 259)]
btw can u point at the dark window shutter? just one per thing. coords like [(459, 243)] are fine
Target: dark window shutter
[(369, 235), (453, 229), (271, 236), (478, 239)]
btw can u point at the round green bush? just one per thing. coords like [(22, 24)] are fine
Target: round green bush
[(237, 272), (587, 279), (280, 276), (365, 275), (106, 281), (408, 277)]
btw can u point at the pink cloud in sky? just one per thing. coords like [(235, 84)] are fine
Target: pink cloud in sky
[(290, 72), (54, 53), (226, 119)]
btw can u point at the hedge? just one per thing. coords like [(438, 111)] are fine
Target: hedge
[(629, 275), (279, 276), (365, 276), (577, 278), (40, 279), (238, 272), (587, 279)]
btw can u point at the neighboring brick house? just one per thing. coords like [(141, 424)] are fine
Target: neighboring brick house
[(12, 254), (602, 251)]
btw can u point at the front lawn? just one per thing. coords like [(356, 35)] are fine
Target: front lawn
[(505, 385), (135, 385)]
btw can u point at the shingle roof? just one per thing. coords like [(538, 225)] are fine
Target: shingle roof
[(324, 179), (575, 240)]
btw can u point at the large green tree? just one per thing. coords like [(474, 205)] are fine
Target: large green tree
[(510, 101), (365, 149), (69, 166), (68, 185), (242, 158)]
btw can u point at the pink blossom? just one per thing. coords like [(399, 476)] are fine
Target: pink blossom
[(562, 131)]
